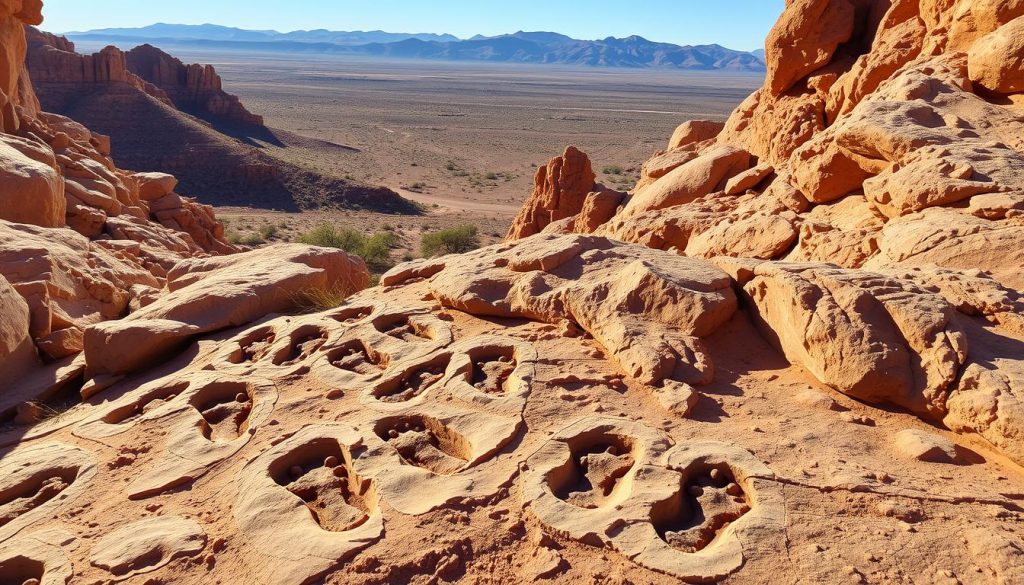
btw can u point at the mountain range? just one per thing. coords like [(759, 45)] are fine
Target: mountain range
[(519, 47)]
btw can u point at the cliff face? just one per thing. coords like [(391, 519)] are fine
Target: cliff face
[(794, 351), (59, 189), (53, 59), (194, 88)]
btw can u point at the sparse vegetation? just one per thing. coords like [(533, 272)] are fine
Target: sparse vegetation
[(375, 249), (268, 232), (454, 240), (612, 170), (318, 300)]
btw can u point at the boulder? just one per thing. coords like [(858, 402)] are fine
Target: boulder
[(693, 131), (695, 179), (996, 61), (804, 39), (210, 294), (872, 337), (31, 188), (153, 186), (17, 353), (925, 446)]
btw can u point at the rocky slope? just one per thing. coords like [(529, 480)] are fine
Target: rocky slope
[(793, 353), (174, 118)]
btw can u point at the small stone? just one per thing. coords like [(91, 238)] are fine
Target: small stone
[(695, 491), (242, 397), (393, 433), (734, 489), (340, 471), (925, 446), (296, 471), (716, 475), (335, 394), (331, 462)]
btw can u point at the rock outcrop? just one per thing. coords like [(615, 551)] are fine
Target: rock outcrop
[(163, 115), (793, 353), (194, 88)]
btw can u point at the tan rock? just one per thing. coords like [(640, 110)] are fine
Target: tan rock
[(693, 131), (155, 185), (207, 295), (17, 354), (748, 179), (691, 181), (996, 61), (147, 545), (871, 337), (925, 446), (31, 189), (804, 39)]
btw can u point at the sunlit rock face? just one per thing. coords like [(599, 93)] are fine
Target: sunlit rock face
[(794, 350)]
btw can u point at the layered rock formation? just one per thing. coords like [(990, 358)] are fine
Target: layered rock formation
[(194, 88), (793, 353), (162, 115)]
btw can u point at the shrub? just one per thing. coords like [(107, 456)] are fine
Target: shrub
[(612, 170), (268, 231), (374, 250), (328, 236), (454, 240), (253, 240)]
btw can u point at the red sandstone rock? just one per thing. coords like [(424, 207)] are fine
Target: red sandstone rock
[(560, 189)]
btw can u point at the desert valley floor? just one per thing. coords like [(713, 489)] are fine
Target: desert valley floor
[(463, 139)]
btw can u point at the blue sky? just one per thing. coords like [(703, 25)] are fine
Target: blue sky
[(738, 24)]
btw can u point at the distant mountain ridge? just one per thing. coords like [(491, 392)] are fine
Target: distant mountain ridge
[(214, 32), (519, 47)]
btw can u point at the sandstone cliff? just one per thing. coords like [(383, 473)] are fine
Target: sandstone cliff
[(794, 353), (165, 116), (194, 88)]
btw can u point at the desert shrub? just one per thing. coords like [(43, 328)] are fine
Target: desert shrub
[(268, 231), (491, 176), (375, 250), (612, 170), (328, 236), (253, 239), (233, 237), (454, 240)]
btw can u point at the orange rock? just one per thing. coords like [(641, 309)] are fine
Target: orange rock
[(804, 39), (691, 181), (694, 131), (560, 188), (17, 353), (996, 61)]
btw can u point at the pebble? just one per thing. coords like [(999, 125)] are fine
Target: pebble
[(296, 471), (242, 397), (331, 462), (335, 394)]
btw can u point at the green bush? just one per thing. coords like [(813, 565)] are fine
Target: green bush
[(454, 240), (268, 231), (375, 250), (612, 170), (253, 240)]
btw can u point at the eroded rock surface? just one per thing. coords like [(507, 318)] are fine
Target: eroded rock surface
[(793, 353)]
